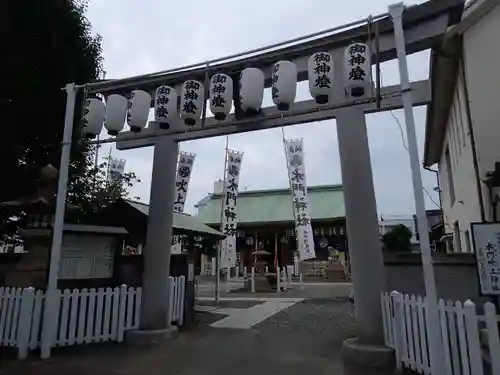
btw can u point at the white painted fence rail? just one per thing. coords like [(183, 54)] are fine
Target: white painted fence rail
[(84, 315), (462, 329)]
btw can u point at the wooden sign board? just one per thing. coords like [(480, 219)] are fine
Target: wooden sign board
[(86, 256), (486, 244)]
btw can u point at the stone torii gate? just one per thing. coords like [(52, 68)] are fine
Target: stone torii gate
[(393, 35)]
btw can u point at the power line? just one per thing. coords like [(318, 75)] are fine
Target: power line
[(406, 147), (403, 140)]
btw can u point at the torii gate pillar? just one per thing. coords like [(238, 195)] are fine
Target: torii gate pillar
[(365, 248)]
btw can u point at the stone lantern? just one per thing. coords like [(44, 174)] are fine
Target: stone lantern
[(260, 261), (39, 208)]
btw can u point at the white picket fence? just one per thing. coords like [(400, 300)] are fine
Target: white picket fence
[(460, 325), (84, 316), (177, 291)]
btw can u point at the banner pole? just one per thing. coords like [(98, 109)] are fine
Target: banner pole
[(217, 256)]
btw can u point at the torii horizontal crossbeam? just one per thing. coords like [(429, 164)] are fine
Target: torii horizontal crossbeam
[(300, 112)]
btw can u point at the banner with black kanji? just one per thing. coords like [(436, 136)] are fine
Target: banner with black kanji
[(229, 220), (116, 170), (297, 175), (184, 169)]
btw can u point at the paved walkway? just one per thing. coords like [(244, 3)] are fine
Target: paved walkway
[(302, 338)]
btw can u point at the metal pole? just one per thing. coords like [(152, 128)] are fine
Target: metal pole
[(49, 312), (96, 163), (433, 330), (217, 257)]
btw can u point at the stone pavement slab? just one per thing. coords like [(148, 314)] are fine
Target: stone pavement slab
[(247, 318)]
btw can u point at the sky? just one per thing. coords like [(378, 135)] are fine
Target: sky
[(146, 36)]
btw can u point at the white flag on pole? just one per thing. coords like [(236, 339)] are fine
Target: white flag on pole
[(184, 169), (229, 220), (297, 175), (116, 169)]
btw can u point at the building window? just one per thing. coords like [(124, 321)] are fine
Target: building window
[(449, 176), (457, 245), (467, 242)]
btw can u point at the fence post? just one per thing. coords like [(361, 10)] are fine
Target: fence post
[(493, 339), (171, 300), (121, 312), (398, 326), (471, 326), (24, 323), (301, 282), (283, 276), (278, 280), (228, 277), (385, 318), (289, 271), (182, 289), (252, 281)]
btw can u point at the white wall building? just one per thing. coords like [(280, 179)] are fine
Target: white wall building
[(463, 121)]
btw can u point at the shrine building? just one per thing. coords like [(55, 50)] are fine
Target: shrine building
[(265, 220)]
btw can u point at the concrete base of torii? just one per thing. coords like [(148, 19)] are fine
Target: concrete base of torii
[(366, 351), (366, 359), (150, 337)]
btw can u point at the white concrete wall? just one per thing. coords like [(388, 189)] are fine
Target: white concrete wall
[(464, 209), (482, 62), (482, 67)]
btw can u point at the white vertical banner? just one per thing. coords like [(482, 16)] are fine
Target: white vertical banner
[(184, 169), (229, 220), (116, 169), (297, 175)]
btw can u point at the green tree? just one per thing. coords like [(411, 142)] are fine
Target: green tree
[(93, 193), (397, 239), (45, 44)]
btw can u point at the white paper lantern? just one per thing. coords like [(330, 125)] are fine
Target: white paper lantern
[(251, 89), (221, 95), (357, 69), (284, 85), (165, 106), (192, 101), (116, 111), (138, 110), (320, 74), (93, 118)]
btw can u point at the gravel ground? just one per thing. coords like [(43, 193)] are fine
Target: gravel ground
[(305, 338), (314, 316)]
